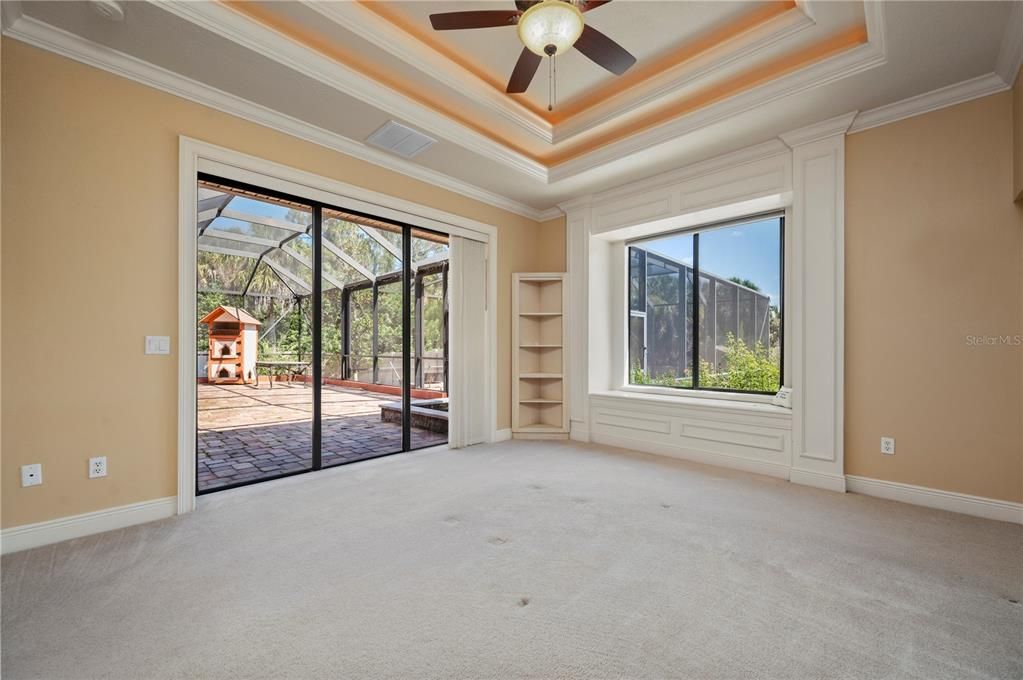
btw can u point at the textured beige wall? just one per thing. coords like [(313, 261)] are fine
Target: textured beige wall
[(551, 246), (89, 267), (1017, 137), (934, 254)]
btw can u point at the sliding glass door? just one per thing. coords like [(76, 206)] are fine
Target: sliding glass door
[(322, 335)]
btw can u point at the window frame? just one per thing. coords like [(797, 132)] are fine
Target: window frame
[(696, 389)]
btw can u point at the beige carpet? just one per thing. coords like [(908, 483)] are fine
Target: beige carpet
[(525, 560)]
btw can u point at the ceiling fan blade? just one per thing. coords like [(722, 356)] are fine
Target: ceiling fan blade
[(525, 69), (486, 18), (604, 51), (587, 5)]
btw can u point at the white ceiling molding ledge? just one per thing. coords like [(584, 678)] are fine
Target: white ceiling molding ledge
[(355, 17), (869, 55), (225, 22), (676, 79), (269, 43), (803, 173), (42, 35)]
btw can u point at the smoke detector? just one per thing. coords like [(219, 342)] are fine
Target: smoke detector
[(400, 140), (110, 10)]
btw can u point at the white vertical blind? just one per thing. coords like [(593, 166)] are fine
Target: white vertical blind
[(470, 398)]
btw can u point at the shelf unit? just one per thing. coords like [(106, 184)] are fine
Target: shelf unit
[(539, 391)]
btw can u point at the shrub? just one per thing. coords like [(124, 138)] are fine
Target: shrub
[(747, 369)]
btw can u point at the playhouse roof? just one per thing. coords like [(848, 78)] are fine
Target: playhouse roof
[(235, 313)]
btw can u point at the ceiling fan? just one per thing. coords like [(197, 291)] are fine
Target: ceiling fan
[(546, 28)]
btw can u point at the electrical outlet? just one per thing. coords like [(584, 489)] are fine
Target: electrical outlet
[(888, 446), (32, 475), (97, 467)]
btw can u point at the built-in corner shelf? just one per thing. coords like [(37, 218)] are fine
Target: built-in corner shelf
[(539, 390)]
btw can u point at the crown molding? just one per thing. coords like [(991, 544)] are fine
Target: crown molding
[(687, 73), (550, 214), (974, 88), (1010, 54), (47, 37), (862, 58), (252, 35), (353, 16), (831, 127), (848, 63)]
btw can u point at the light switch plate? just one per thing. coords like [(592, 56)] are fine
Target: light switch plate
[(157, 344), (32, 475)]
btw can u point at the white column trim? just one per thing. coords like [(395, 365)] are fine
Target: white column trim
[(817, 275)]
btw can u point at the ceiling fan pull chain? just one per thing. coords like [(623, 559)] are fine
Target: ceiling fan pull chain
[(550, 84), (554, 87)]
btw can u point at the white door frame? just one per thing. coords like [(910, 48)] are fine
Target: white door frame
[(197, 156)]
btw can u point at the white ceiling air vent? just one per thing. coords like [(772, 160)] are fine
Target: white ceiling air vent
[(397, 138)]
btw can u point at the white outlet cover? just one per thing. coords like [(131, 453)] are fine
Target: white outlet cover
[(32, 475), (97, 467), (888, 446)]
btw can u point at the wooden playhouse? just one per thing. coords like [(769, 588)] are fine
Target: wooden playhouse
[(234, 339)]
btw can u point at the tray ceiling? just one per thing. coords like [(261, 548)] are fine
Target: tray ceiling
[(710, 77)]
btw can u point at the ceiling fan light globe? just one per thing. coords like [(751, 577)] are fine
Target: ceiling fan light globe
[(550, 23)]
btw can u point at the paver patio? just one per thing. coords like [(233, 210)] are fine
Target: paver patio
[(247, 433)]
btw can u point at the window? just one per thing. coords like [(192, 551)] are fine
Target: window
[(705, 308)]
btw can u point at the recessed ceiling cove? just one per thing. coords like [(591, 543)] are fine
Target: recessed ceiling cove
[(689, 56), (708, 78)]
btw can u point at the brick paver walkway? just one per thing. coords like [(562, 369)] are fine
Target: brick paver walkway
[(248, 433)]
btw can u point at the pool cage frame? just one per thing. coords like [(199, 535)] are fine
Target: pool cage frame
[(410, 278), (212, 208)]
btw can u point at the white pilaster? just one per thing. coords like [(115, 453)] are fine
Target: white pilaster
[(578, 222), (816, 287)]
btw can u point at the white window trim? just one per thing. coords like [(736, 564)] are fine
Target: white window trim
[(803, 173), (196, 156), (620, 329)]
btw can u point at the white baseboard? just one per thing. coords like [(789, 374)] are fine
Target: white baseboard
[(502, 435), (821, 480), (706, 457), (578, 433), (56, 530), (978, 506)]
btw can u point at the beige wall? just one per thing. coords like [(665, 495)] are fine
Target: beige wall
[(551, 246), (89, 267), (934, 253)]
